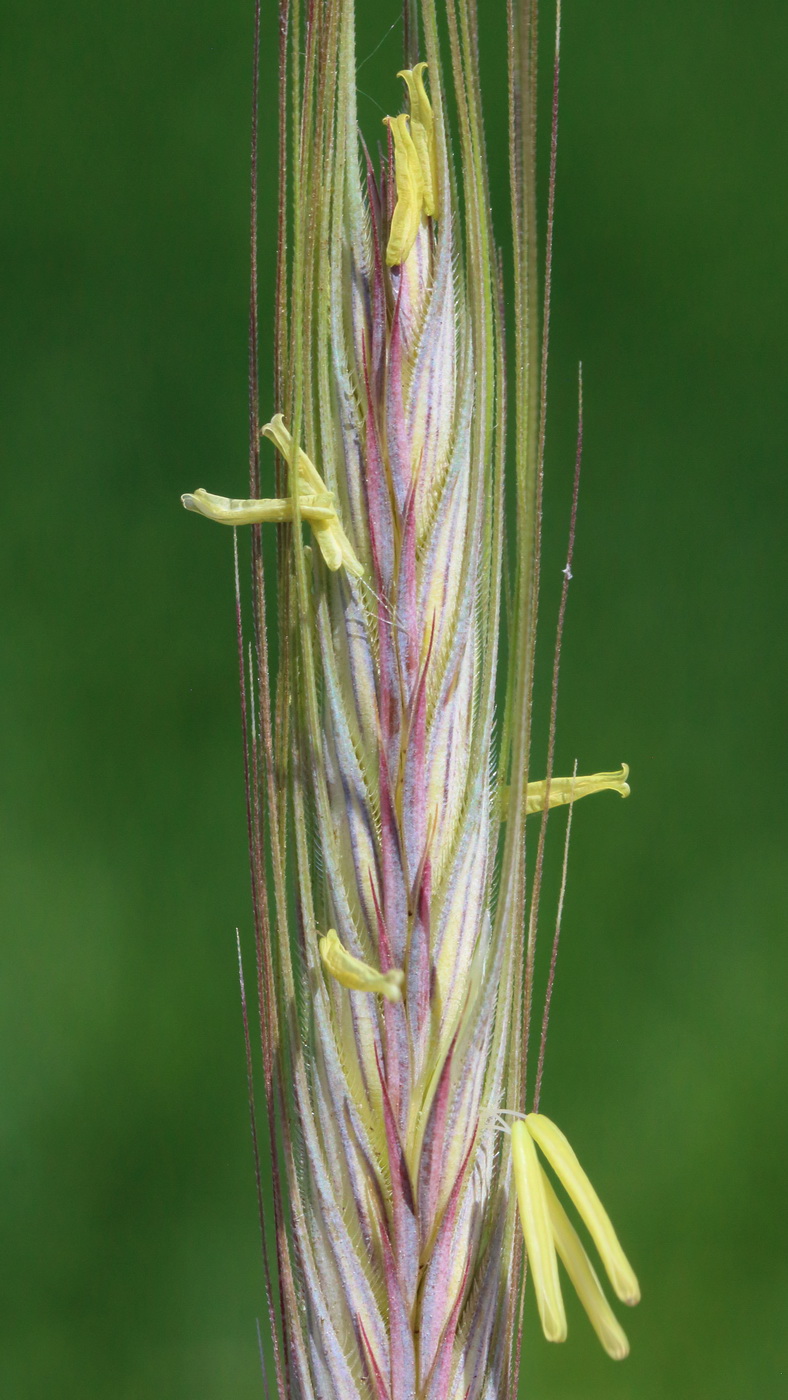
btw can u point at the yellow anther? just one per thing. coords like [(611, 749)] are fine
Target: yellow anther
[(334, 544), (571, 1175), (356, 975), (584, 1280), (547, 1228), (563, 790), (308, 475), (406, 219), (422, 130), (538, 1232), (315, 504), (278, 511)]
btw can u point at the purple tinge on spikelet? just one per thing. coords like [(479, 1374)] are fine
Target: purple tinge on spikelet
[(398, 1168)]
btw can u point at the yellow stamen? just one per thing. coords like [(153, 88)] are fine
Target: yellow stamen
[(563, 790), (569, 1171), (406, 219), (334, 544), (422, 130), (537, 1229), (279, 435), (356, 975), (584, 1279), (227, 511), (316, 505)]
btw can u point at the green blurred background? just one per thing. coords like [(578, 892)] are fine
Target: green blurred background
[(128, 1234)]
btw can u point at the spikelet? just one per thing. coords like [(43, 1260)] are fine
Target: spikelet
[(392, 1006)]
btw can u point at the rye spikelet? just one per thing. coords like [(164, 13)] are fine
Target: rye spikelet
[(394, 987)]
